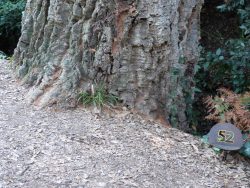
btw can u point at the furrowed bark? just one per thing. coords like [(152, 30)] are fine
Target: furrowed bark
[(144, 51)]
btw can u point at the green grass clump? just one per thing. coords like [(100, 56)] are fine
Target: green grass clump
[(97, 97)]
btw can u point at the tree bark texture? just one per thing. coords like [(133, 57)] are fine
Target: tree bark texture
[(144, 51)]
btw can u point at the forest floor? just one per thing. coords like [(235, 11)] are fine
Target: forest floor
[(74, 148)]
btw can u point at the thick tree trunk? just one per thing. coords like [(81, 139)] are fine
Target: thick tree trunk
[(143, 50)]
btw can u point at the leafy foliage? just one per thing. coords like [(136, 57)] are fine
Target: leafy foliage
[(10, 23), (229, 107), (229, 67), (98, 97), (243, 9), (10, 16), (232, 108), (231, 5)]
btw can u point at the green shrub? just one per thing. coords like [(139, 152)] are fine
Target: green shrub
[(228, 66), (10, 16), (243, 9), (10, 23), (231, 5)]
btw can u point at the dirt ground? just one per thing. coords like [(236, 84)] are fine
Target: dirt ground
[(75, 148)]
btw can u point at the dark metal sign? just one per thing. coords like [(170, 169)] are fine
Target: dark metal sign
[(226, 136)]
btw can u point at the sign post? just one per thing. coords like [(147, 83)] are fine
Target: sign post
[(226, 136)]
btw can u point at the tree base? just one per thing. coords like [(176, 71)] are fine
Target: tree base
[(143, 51)]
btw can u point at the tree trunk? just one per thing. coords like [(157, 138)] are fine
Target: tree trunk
[(143, 50)]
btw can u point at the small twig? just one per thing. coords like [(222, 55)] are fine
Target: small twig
[(22, 173)]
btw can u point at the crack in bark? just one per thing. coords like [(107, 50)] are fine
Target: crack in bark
[(131, 46)]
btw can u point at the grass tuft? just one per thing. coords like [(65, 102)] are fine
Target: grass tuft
[(97, 97)]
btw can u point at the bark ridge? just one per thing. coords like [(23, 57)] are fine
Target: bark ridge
[(144, 51)]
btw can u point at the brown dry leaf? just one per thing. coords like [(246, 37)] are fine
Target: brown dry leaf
[(236, 113)]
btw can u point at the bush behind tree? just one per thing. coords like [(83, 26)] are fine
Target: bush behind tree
[(227, 67), (10, 23)]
